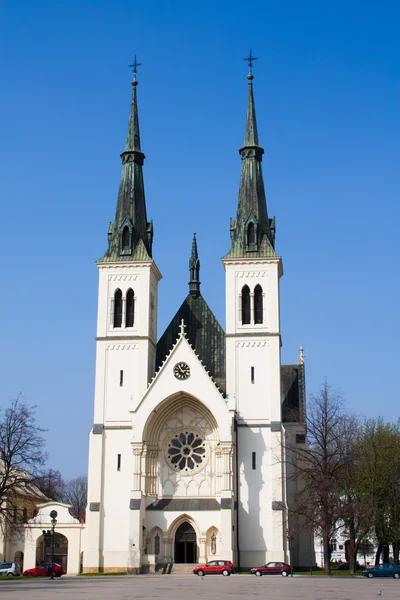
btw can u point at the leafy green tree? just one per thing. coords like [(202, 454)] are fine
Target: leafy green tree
[(379, 480), (356, 503)]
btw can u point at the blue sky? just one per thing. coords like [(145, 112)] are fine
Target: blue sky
[(327, 98)]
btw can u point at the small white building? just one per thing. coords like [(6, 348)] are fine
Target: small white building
[(29, 543), (68, 538)]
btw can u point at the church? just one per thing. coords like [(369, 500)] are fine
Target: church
[(186, 454)]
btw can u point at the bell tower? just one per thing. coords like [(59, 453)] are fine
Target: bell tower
[(125, 348), (252, 273)]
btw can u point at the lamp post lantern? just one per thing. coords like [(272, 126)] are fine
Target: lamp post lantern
[(53, 516)]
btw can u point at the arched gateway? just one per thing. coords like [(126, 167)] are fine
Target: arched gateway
[(185, 544)]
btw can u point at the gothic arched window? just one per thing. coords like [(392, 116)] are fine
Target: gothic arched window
[(130, 308), (118, 308), (251, 236), (258, 304), (245, 305), (126, 239)]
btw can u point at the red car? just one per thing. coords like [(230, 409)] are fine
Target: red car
[(44, 569), (272, 568), (214, 567)]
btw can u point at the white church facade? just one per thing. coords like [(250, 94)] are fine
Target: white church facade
[(186, 458)]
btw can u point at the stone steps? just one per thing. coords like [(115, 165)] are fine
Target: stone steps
[(183, 568)]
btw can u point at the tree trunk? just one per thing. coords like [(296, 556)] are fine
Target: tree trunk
[(351, 549), (386, 553), (352, 555), (395, 547), (327, 554), (378, 554)]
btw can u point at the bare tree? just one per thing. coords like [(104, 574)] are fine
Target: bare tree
[(22, 454), (75, 493), (51, 484), (315, 467)]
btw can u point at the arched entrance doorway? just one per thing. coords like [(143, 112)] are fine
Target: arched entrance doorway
[(19, 558), (185, 544), (44, 549)]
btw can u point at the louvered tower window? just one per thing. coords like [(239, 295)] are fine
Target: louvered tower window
[(130, 308), (251, 236), (118, 308), (126, 241), (258, 304), (245, 305)]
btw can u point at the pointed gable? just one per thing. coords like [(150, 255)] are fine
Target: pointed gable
[(204, 334)]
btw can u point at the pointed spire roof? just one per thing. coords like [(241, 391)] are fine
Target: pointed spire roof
[(251, 133), (252, 233), (133, 137), (130, 237), (194, 270)]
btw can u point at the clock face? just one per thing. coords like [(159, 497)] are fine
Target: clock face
[(181, 371)]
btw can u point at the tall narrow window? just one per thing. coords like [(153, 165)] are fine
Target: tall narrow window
[(118, 308), (126, 242), (252, 374), (258, 304), (118, 462), (121, 378), (251, 237), (130, 308), (245, 305), (253, 461)]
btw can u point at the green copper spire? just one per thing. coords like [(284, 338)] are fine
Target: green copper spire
[(252, 233), (194, 270), (133, 137), (130, 237)]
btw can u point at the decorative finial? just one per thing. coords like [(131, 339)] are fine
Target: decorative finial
[(194, 270), (300, 358), (250, 59), (182, 327), (134, 66)]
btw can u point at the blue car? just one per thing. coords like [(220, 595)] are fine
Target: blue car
[(384, 570)]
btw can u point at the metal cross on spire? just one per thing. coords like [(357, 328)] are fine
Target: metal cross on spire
[(134, 66), (250, 59)]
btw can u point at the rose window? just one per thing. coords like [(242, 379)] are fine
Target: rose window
[(186, 451)]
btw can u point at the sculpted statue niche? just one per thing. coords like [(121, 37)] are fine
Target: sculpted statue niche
[(213, 543)]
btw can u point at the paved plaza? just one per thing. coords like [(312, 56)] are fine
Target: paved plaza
[(189, 587)]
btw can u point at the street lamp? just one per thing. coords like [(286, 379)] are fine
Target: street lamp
[(290, 538), (53, 516)]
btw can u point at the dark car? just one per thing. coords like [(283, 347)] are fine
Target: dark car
[(383, 570), (272, 568), (214, 567), (44, 569), (345, 566)]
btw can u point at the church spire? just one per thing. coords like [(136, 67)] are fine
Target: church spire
[(251, 134), (131, 236), (133, 137), (194, 270), (252, 233)]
